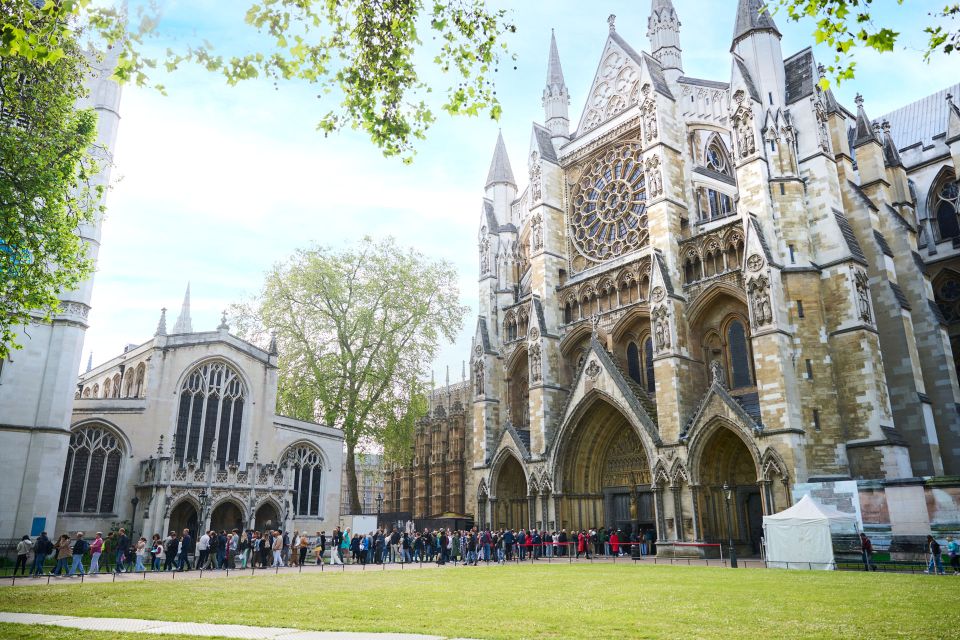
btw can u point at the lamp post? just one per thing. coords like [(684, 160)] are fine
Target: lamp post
[(728, 495), (379, 508), (201, 519), (134, 501)]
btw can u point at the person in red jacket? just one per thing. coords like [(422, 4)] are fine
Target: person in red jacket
[(581, 543), (615, 543)]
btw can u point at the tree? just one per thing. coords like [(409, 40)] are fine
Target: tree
[(45, 168), (354, 329), (847, 24), (365, 54)]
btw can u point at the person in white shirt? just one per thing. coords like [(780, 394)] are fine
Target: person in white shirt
[(203, 548)]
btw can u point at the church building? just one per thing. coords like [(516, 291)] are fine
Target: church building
[(181, 432), (712, 297)]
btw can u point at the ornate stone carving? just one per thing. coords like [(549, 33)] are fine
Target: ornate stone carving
[(535, 363), (759, 290), (608, 217), (74, 309), (536, 232), (743, 132), (478, 376), (593, 370), (534, 334), (755, 262), (654, 177), (485, 264), (658, 294), (717, 374), (536, 180), (661, 328), (863, 295), (820, 112), (649, 111)]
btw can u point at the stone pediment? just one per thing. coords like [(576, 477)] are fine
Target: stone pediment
[(616, 84), (717, 402), (599, 374)]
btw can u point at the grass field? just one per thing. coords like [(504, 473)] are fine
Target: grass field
[(45, 632), (543, 601)]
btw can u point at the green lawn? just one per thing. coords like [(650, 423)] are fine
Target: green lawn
[(542, 601), (46, 632)]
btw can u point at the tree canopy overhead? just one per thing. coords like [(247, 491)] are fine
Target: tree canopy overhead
[(354, 329), (847, 25), (366, 57), (45, 175)]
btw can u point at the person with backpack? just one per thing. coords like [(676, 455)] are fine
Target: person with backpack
[(41, 549), (171, 544), (935, 565), (96, 548), (80, 547), (64, 555), (158, 551)]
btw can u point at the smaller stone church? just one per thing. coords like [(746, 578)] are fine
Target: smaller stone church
[(181, 432)]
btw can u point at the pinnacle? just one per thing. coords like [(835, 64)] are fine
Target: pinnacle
[(500, 171), (554, 70), (752, 15)]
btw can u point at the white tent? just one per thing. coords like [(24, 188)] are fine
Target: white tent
[(800, 537)]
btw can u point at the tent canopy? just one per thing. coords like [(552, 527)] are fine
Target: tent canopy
[(808, 511), (800, 537)]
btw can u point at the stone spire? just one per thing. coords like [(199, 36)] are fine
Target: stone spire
[(864, 128), (162, 325), (183, 323), (752, 16), (663, 30), (90, 362), (272, 349), (500, 171), (891, 155), (556, 97)]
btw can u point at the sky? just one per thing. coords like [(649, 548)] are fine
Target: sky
[(212, 185)]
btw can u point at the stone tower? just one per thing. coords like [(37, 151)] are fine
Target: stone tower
[(38, 383)]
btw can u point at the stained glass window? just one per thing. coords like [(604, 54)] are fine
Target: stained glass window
[(211, 406), (90, 477)]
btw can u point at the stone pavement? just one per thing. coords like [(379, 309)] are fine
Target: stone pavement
[(157, 627)]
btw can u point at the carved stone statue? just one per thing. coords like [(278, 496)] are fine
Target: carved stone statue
[(650, 132), (478, 376), (536, 182), (536, 232), (661, 328), (535, 363), (863, 296), (654, 177), (760, 301), (717, 374)]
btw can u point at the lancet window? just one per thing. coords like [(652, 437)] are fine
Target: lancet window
[(945, 206), (93, 466), (211, 408), (307, 475)]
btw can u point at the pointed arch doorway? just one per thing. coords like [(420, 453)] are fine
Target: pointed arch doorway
[(184, 516), (267, 517), (510, 502), (605, 474)]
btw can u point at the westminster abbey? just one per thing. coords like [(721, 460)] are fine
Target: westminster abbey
[(709, 290)]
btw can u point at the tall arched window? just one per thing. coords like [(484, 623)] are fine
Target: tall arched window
[(633, 363), (93, 465), (108, 388), (648, 364), (141, 372), (307, 470), (741, 370), (945, 206), (716, 157), (211, 405)]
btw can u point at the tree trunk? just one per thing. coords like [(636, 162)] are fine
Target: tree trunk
[(352, 479)]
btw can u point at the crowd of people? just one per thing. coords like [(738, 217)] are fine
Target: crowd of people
[(224, 550)]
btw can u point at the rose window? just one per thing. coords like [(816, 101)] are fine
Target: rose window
[(609, 213)]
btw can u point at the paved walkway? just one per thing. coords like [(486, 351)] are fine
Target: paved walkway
[(134, 625)]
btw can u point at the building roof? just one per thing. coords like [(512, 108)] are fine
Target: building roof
[(849, 237), (801, 75), (752, 15), (921, 121), (500, 171)]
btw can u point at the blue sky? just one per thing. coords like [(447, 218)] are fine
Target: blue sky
[(214, 184)]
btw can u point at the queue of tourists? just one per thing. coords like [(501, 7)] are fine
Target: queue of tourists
[(117, 552)]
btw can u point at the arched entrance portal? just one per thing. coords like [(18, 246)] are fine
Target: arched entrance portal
[(510, 505), (605, 474), (184, 516), (267, 517), (227, 516), (727, 460)]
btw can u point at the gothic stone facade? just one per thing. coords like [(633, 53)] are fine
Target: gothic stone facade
[(717, 283), (186, 424)]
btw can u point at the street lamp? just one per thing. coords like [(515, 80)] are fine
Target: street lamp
[(134, 501), (379, 508), (728, 495), (201, 517)]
